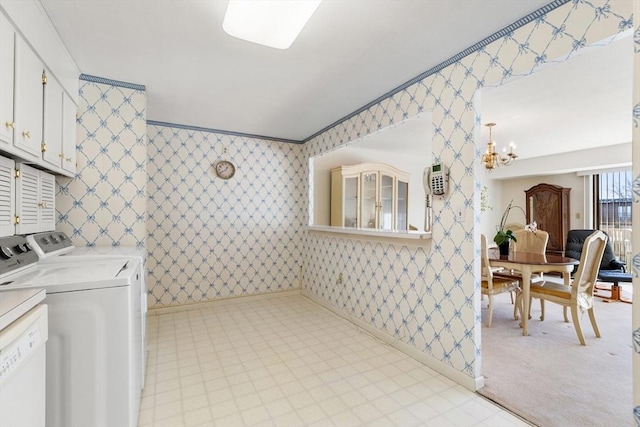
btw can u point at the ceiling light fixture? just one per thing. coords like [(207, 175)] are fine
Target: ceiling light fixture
[(491, 159), (273, 23)]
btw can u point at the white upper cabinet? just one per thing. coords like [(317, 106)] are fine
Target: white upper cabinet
[(59, 144), (28, 101), (52, 141), (38, 90), (69, 134), (7, 197), (35, 200), (7, 47)]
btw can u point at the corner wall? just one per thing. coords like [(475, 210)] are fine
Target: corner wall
[(428, 296), (105, 204), (211, 238)]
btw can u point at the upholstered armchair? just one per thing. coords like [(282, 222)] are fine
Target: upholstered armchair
[(575, 242)]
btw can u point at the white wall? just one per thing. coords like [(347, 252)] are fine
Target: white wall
[(515, 188)]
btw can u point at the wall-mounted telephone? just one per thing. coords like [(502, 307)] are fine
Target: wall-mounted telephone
[(436, 179)]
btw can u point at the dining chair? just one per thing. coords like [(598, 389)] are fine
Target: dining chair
[(527, 241), (579, 295), (492, 285), (612, 269)]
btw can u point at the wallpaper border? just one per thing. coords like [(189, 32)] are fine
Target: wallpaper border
[(224, 132), (110, 82)]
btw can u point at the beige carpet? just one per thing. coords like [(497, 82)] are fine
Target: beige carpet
[(548, 378)]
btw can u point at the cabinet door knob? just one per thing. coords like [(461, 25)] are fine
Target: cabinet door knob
[(68, 159), (61, 155), (8, 125), (26, 134)]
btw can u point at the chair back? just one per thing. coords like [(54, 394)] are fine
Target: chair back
[(531, 241), (486, 272), (587, 274)]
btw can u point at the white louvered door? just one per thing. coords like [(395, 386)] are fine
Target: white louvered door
[(35, 195), (27, 200), (48, 202), (7, 197)]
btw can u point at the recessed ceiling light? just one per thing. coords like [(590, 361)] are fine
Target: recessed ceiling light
[(273, 23)]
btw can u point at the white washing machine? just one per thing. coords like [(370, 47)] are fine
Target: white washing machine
[(94, 346), (56, 246)]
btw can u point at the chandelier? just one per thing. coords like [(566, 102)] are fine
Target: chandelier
[(491, 159)]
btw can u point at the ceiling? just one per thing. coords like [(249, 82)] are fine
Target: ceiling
[(577, 104), (350, 53), (582, 103)]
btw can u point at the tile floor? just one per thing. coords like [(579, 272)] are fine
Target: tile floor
[(287, 361)]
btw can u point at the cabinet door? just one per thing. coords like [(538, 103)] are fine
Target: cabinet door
[(7, 46), (386, 204), (548, 206), (69, 134), (28, 200), (47, 202), (402, 221), (52, 141), (28, 101), (35, 195), (351, 202), (7, 197), (369, 200)]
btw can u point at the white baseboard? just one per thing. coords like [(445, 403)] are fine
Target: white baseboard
[(198, 305)]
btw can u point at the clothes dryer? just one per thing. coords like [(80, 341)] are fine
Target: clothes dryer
[(56, 246)]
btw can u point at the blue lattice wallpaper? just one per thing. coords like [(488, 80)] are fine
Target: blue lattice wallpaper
[(211, 238), (106, 202), (635, 338), (249, 231), (427, 297)]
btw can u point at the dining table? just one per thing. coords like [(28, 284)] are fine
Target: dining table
[(528, 263)]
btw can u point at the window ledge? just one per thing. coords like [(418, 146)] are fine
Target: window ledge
[(398, 234)]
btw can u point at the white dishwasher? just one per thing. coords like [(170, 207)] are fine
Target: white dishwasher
[(23, 335)]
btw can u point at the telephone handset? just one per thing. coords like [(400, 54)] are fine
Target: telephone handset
[(436, 179)]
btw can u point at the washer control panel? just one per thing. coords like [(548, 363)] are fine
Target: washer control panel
[(50, 243), (15, 254)]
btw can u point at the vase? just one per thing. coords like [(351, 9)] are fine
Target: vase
[(504, 248)]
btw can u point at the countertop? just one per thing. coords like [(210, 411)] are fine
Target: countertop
[(16, 302)]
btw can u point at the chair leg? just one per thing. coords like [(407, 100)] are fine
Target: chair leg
[(592, 317), (490, 311), (541, 309), (517, 306), (576, 324), (564, 311)]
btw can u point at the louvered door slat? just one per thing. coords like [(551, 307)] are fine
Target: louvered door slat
[(7, 197), (48, 200)]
